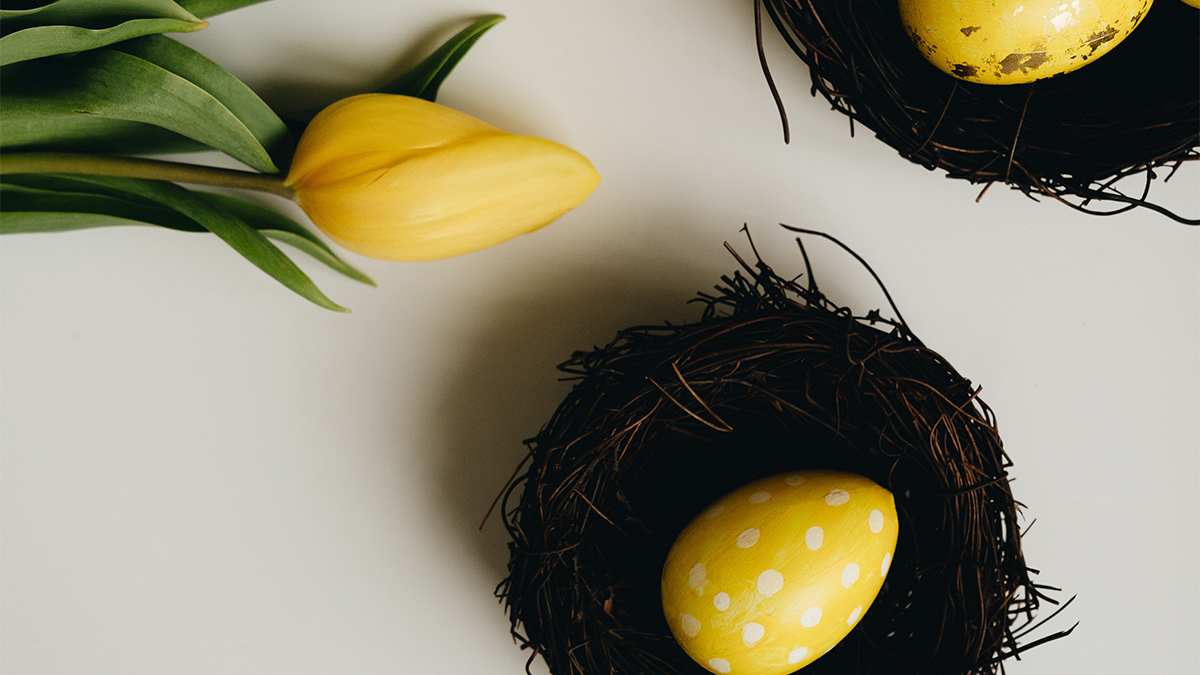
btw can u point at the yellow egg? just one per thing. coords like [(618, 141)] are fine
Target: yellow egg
[(1015, 41), (774, 574)]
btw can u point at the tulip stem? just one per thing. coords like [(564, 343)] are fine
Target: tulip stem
[(133, 167)]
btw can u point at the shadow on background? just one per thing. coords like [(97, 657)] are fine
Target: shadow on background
[(507, 385), (289, 93)]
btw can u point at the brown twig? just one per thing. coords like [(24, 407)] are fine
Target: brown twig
[(795, 381), (1121, 116)]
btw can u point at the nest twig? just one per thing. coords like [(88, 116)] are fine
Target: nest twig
[(773, 377), (1129, 117)]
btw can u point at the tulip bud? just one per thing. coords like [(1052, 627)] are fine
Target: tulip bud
[(401, 178)]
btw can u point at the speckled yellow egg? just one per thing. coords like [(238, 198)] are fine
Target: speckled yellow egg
[(1015, 41), (774, 574)]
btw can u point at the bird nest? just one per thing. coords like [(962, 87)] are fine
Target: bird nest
[(773, 377), (1133, 114)]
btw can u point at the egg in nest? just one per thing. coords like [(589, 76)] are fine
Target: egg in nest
[(1016, 41), (773, 575)]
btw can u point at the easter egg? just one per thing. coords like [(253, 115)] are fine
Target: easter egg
[(1015, 41), (774, 574)]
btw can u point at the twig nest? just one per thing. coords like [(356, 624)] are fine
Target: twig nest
[(1133, 113), (773, 379)]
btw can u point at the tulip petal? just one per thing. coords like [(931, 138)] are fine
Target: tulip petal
[(453, 201), (373, 131)]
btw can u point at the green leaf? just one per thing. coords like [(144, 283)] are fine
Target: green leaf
[(281, 228), (69, 184), (69, 26), (41, 203), (171, 55), (91, 13), (90, 134), (424, 80), (43, 221), (55, 221), (52, 203), (34, 43), (207, 8), (209, 214), (114, 85)]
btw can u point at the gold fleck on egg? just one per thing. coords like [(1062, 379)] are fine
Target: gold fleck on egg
[(774, 574), (1015, 41)]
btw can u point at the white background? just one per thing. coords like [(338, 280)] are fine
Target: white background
[(203, 473)]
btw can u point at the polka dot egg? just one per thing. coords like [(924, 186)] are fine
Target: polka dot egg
[(773, 575)]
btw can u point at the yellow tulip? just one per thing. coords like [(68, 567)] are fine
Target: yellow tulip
[(401, 178)]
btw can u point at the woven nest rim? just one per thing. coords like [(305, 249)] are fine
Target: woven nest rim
[(775, 366), (1071, 138)]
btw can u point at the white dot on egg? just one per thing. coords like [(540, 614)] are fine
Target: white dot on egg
[(721, 601), (696, 576), (797, 655), (887, 562), (814, 538), (875, 520), (854, 615), (714, 511), (849, 575), (770, 582), (837, 497), (691, 625), (748, 538), (752, 633), (719, 665), (811, 617), (794, 479), (759, 497)]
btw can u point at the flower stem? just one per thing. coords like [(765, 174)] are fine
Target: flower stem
[(133, 167)]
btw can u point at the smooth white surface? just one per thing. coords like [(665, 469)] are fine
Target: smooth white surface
[(202, 473)]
